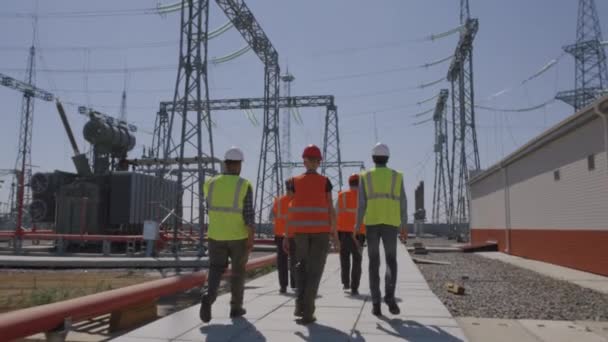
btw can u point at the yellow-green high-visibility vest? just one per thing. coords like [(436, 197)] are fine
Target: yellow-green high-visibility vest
[(225, 195), (383, 191)]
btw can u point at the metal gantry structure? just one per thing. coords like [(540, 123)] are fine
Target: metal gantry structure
[(465, 151), (269, 180), (590, 72), (441, 202), (332, 164), (190, 85), (286, 125), (20, 192)]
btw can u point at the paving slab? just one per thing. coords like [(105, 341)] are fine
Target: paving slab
[(560, 331), (496, 330), (585, 279), (340, 316)]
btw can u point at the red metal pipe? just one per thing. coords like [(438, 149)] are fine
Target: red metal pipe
[(30, 321)]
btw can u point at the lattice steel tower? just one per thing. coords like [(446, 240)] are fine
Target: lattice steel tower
[(590, 72), (331, 147), (286, 125), (190, 85), (21, 191), (465, 150), (441, 202)]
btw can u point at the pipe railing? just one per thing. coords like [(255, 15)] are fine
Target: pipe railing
[(56, 316)]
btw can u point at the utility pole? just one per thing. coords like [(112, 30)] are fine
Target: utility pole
[(286, 137), (465, 150), (441, 202), (590, 72)]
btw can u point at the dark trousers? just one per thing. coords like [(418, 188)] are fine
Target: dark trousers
[(351, 277), (286, 263), (311, 255), (388, 235), (219, 253)]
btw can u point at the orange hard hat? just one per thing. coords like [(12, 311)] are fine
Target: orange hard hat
[(312, 151)]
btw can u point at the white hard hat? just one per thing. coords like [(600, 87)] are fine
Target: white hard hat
[(381, 150), (234, 153)]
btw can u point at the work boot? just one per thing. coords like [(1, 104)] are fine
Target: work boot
[(306, 320), (298, 311), (235, 313), (346, 287), (205, 311), (354, 292), (377, 310), (283, 289), (392, 306)]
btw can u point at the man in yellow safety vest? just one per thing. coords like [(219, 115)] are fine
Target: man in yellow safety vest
[(383, 209), (229, 201)]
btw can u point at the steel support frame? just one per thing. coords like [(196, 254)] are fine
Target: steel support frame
[(191, 85), (465, 147), (441, 202), (268, 184), (590, 72), (332, 165)]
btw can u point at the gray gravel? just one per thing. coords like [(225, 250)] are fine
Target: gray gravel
[(499, 290)]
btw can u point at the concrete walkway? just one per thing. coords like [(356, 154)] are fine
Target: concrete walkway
[(588, 280), (528, 330), (340, 317)]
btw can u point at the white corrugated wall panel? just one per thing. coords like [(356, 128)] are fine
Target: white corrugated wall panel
[(579, 200), (488, 202)]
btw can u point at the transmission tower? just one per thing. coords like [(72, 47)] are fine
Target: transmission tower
[(590, 72), (465, 151), (21, 193), (441, 202), (190, 85), (331, 147), (286, 127)]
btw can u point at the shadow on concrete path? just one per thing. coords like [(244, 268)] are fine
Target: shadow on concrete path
[(319, 333), (412, 331), (226, 332)]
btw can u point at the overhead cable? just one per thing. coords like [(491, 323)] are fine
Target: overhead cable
[(427, 100), (434, 37), (422, 122), (517, 110), (426, 85), (231, 56), (423, 113)]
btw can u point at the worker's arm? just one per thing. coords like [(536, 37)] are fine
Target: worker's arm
[(249, 216), (361, 207), (403, 205)]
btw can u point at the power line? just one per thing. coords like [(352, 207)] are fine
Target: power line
[(152, 68)]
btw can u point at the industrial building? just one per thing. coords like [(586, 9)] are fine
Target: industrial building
[(549, 199)]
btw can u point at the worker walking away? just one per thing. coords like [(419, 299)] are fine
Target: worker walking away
[(346, 210), (229, 201), (312, 217), (383, 209), (286, 260)]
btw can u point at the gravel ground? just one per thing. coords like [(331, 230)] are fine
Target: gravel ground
[(499, 290), (430, 241)]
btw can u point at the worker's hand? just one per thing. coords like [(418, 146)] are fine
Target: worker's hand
[(336, 241), (357, 244), (250, 242), (403, 234), (286, 245)]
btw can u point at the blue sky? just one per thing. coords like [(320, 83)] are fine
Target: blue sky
[(319, 40)]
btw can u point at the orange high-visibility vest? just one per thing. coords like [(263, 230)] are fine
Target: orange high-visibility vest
[(279, 210), (347, 211), (309, 208)]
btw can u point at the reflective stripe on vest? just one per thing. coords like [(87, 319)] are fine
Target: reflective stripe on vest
[(374, 195), (225, 195), (235, 203), (383, 193)]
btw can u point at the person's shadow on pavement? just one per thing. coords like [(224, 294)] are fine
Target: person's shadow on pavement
[(226, 332), (320, 333), (413, 331)]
